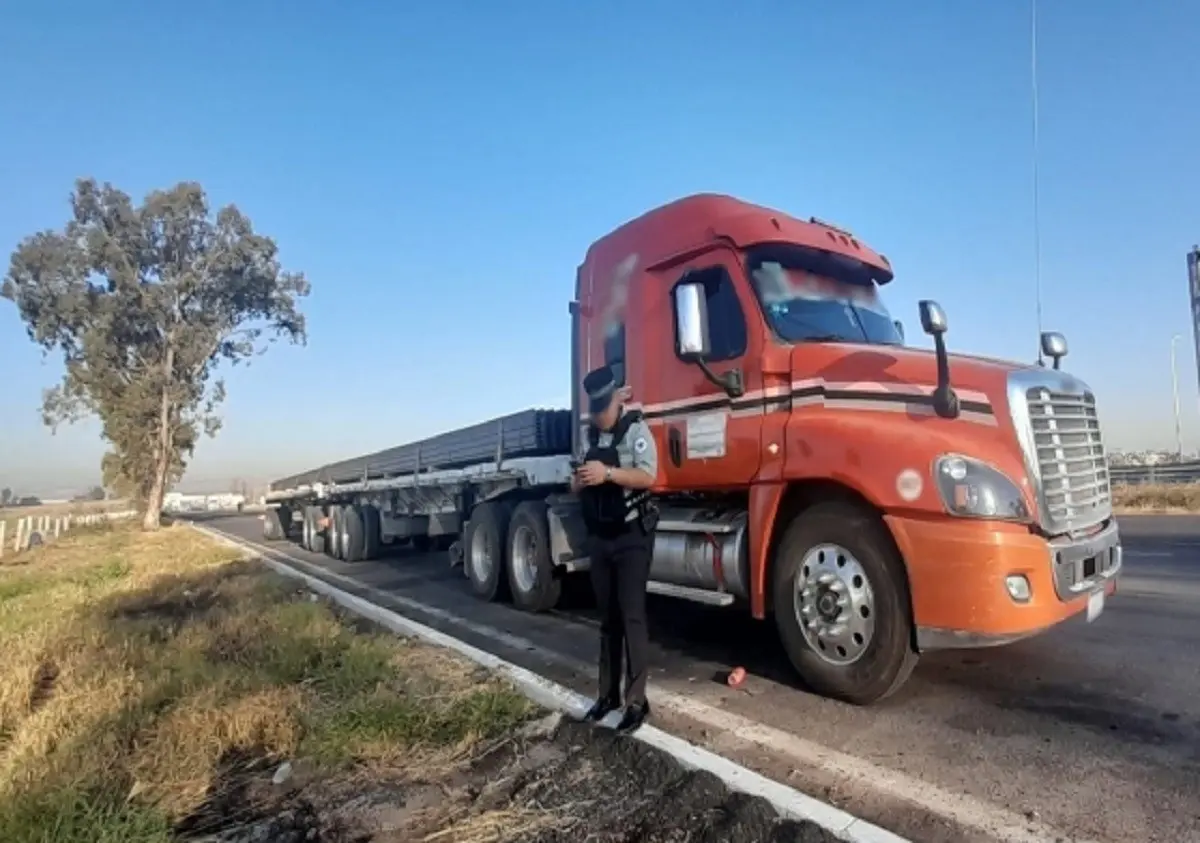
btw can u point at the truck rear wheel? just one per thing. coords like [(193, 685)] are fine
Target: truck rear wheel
[(353, 544), (314, 538), (842, 605), (372, 534), (530, 569), (272, 525), (485, 543), (333, 535)]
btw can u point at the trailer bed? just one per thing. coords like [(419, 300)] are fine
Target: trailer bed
[(529, 433)]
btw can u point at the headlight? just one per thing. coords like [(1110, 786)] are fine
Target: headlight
[(973, 489)]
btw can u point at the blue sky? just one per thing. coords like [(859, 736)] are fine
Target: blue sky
[(439, 169)]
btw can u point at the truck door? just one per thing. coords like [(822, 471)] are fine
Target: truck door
[(706, 438)]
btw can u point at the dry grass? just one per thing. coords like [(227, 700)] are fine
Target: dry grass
[(139, 667), (1164, 498)]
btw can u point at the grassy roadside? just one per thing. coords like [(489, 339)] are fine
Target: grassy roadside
[(1174, 498), (155, 686)]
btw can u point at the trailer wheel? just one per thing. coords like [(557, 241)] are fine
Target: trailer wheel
[(272, 525), (372, 534), (530, 569), (333, 535), (315, 538), (842, 604), (354, 543), (285, 521), (485, 543)]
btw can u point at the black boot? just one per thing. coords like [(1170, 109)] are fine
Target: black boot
[(633, 718), (600, 709)]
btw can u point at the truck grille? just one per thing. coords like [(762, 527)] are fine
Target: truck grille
[(1069, 456)]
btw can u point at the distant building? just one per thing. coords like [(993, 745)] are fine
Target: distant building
[(224, 501)]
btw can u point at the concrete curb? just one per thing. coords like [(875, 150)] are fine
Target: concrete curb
[(787, 801)]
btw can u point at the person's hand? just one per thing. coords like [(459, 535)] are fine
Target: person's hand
[(592, 473)]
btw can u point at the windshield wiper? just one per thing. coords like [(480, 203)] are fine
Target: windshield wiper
[(825, 338)]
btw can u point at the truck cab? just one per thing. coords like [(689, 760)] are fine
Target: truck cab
[(874, 500)]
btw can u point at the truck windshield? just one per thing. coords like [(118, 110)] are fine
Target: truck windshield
[(809, 295)]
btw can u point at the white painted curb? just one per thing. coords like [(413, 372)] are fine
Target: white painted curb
[(787, 801)]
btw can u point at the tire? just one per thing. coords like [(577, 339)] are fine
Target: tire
[(333, 536), (272, 526), (485, 545), (873, 655), (285, 521), (353, 545), (316, 539), (372, 533), (531, 576)]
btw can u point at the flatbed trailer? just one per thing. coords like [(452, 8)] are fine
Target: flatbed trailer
[(874, 500)]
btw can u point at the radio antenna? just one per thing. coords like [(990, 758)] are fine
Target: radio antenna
[(1037, 222)]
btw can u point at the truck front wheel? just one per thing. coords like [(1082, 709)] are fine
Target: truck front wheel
[(842, 605)]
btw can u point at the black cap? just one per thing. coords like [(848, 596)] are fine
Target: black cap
[(600, 386)]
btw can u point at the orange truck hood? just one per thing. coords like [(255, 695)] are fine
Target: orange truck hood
[(863, 415)]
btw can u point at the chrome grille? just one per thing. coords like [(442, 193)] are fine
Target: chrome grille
[(1069, 457)]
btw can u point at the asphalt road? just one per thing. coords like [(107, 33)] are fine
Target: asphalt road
[(1090, 732)]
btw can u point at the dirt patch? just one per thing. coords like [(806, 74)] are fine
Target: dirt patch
[(558, 782)]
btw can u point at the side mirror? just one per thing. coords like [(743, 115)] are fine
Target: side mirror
[(1054, 346), (933, 318), (691, 321), (900, 330)]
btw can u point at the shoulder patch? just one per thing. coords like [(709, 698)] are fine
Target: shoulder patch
[(640, 445)]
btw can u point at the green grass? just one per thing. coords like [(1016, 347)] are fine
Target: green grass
[(137, 664)]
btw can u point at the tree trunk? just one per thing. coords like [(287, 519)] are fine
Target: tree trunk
[(162, 450)]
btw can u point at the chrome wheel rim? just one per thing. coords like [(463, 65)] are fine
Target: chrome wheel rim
[(835, 604), (482, 556), (523, 558)]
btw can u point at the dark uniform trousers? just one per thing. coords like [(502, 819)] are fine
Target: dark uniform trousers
[(620, 569)]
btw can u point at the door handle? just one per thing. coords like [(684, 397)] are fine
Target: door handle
[(675, 445)]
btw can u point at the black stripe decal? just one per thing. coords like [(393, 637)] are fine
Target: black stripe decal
[(772, 403), (901, 398)]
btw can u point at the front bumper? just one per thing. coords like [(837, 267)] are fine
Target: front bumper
[(958, 573)]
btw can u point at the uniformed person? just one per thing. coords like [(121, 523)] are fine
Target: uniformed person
[(613, 482)]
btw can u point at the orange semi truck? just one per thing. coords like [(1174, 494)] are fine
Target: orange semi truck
[(871, 500)]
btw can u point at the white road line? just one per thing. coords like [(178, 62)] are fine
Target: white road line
[(961, 809), (787, 801)]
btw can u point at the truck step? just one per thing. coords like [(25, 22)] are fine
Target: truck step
[(696, 595)]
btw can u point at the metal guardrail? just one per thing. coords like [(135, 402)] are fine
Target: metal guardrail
[(1169, 473)]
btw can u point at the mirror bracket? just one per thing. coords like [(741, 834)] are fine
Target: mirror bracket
[(934, 323)]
